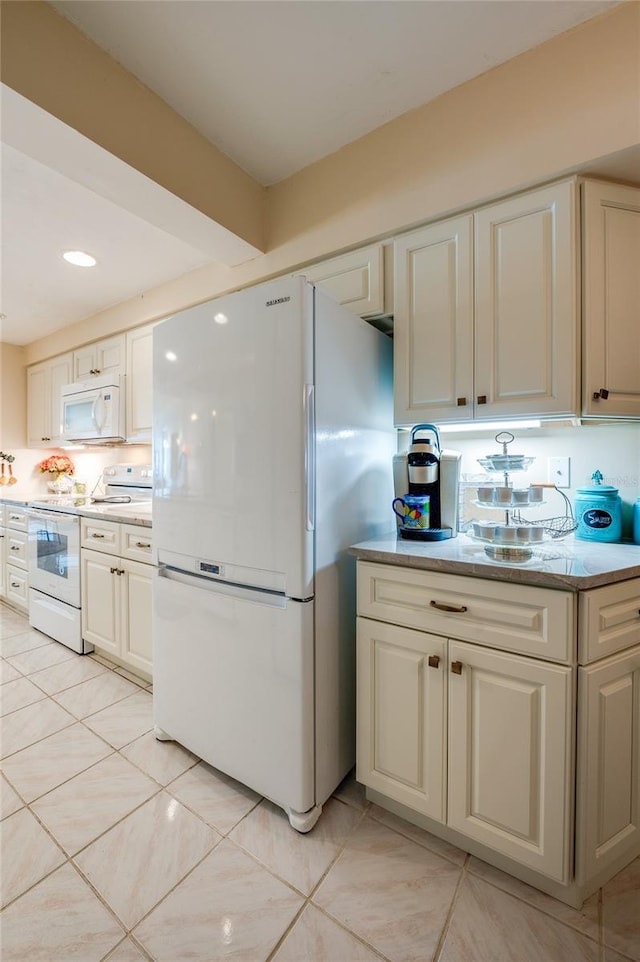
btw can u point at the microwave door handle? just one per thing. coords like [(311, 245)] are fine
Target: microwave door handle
[(98, 400)]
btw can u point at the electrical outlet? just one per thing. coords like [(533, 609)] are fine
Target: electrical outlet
[(558, 472)]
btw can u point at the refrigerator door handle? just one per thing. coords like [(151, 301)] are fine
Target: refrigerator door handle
[(270, 598), (310, 455)]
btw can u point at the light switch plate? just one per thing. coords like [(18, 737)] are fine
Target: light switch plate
[(558, 471)]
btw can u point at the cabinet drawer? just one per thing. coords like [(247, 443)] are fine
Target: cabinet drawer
[(608, 620), (136, 543), (520, 618), (16, 518), (101, 535), (17, 586), (17, 548)]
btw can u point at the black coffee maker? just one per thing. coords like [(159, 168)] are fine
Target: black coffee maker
[(427, 469)]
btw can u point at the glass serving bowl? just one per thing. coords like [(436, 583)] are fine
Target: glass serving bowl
[(506, 462)]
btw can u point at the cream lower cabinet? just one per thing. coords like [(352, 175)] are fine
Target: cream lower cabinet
[(504, 718), (116, 593), (608, 810), (15, 575), (433, 734), (3, 556)]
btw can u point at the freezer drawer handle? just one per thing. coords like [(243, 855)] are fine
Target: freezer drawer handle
[(441, 606)]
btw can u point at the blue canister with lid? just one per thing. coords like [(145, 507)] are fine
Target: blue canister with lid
[(598, 509), (636, 522)]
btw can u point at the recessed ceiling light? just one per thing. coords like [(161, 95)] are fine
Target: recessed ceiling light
[(79, 259)]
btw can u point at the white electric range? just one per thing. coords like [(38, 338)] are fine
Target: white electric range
[(54, 548)]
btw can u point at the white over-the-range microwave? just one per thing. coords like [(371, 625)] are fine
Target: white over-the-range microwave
[(93, 411)]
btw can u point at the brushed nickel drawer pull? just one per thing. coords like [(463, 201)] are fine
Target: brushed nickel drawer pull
[(113, 571), (482, 399), (15, 584), (15, 547), (441, 606), (142, 544), (94, 535), (434, 661), (456, 667), (461, 401)]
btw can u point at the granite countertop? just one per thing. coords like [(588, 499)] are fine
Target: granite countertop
[(566, 563), (125, 513)]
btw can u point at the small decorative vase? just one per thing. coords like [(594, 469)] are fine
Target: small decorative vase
[(62, 485)]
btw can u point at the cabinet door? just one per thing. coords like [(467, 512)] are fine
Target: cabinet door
[(44, 383), (3, 559), (139, 396), (608, 803), (526, 305), (99, 358), (510, 750), (611, 255), (101, 596), (433, 323), (17, 587), (38, 405), (60, 373), (401, 715), (136, 609), (355, 280)]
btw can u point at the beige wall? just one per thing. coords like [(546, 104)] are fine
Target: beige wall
[(564, 104), (49, 61), (13, 398)]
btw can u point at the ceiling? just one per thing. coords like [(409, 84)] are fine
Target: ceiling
[(274, 84)]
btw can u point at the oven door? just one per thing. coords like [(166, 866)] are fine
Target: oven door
[(54, 554)]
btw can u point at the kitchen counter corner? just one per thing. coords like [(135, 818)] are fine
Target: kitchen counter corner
[(567, 563)]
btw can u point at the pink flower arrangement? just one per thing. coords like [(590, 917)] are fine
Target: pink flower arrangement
[(57, 464)]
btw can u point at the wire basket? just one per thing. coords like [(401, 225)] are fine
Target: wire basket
[(555, 527)]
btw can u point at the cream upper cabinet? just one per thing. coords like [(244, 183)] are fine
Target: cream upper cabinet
[(44, 383), (433, 323), (139, 394), (99, 358), (486, 312), (611, 271), (355, 280)]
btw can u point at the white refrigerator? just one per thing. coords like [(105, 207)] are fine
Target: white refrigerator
[(272, 449)]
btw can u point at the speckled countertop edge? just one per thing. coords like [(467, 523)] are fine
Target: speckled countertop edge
[(568, 564)]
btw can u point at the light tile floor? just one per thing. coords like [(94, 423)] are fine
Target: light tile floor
[(118, 847)]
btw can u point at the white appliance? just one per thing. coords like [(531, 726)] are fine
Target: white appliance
[(272, 447), (54, 550), (54, 576), (93, 410)]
